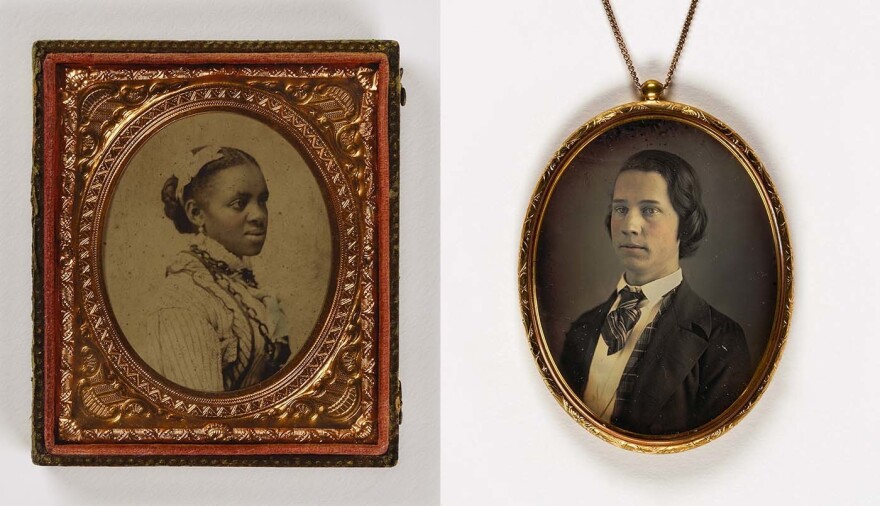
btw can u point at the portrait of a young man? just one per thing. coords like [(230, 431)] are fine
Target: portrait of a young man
[(655, 358)]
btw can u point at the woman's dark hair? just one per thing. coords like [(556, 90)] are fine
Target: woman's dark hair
[(174, 210), (684, 193)]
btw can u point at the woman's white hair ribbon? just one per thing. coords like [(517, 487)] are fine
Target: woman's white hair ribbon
[(191, 165)]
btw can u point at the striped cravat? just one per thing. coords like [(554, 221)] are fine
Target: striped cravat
[(620, 322)]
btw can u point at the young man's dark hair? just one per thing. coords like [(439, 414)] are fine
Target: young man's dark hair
[(684, 193)]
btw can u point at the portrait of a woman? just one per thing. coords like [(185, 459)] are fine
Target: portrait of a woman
[(215, 328)]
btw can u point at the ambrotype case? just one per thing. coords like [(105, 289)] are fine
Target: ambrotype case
[(181, 316)]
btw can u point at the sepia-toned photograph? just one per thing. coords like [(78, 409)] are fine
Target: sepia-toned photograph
[(222, 227), (656, 280), (215, 285)]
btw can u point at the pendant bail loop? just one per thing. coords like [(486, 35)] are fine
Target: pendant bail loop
[(652, 90)]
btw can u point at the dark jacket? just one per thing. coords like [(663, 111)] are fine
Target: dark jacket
[(695, 366)]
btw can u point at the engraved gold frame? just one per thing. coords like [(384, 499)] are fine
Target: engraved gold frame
[(570, 402), (95, 401)]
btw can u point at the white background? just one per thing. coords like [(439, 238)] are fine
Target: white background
[(416, 26), (798, 81)]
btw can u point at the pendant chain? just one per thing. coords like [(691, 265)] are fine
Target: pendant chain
[(622, 45)]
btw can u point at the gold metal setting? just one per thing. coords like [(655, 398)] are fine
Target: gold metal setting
[(570, 402), (331, 102), (652, 90), (323, 390)]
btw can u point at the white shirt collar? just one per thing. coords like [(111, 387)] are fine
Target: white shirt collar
[(655, 290), (218, 252)]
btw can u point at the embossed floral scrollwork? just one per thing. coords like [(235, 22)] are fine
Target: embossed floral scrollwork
[(102, 106), (218, 431), (337, 396), (103, 396), (331, 112)]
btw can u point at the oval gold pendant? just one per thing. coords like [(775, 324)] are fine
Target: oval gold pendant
[(666, 199)]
